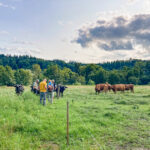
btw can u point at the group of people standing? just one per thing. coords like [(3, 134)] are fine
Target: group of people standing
[(45, 89)]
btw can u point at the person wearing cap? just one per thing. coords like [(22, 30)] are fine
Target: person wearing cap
[(36, 86), (43, 90), (50, 88)]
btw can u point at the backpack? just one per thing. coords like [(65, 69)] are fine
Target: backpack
[(50, 88)]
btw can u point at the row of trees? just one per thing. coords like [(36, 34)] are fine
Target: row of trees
[(10, 77), (82, 74), (26, 76), (138, 74), (26, 62)]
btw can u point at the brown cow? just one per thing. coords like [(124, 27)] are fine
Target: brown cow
[(108, 86), (99, 88), (129, 87), (118, 87), (102, 87)]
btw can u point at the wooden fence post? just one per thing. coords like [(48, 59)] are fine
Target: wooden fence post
[(58, 90), (67, 123)]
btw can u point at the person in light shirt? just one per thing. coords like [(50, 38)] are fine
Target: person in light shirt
[(36, 86)]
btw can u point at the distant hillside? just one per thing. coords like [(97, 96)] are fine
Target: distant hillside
[(119, 64), (26, 62)]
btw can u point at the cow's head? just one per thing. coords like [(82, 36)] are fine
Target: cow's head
[(19, 87), (109, 85), (63, 88), (112, 87)]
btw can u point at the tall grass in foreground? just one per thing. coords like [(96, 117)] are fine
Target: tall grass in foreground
[(106, 121)]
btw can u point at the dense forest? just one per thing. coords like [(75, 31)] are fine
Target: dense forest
[(26, 62), (25, 69)]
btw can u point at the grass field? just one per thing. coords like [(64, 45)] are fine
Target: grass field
[(106, 121)]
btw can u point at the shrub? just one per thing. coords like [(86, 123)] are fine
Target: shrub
[(77, 83), (91, 82)]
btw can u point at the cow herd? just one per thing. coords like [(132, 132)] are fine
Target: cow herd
[(105, 87)]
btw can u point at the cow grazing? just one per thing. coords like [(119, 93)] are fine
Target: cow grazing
[(102, 87), (19, 89), (107, 87), (62, 89), (99, 88), (129, 87), (118, 87)]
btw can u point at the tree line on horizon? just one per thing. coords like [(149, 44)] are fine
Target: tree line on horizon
[(25, 69)]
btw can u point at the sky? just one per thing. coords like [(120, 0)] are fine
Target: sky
[(88, 31)]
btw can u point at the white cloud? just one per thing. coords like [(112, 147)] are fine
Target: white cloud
[(136, 1), (7, 6), (4, 32), (23, 42), (90, 34), (132, 2), (63, 23), (20, 51), (144, 5), (20, 47), (121, 33)]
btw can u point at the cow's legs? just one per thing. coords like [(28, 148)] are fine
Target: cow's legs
[(122, 91), (132, 90), (96, 92), (62, 94)]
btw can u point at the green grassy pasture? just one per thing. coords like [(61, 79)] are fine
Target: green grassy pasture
[(105, 121)]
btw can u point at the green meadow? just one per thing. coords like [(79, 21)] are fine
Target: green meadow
[(97, 122)]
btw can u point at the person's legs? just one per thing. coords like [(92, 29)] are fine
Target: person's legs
[(52, 97), (44, 98), (53, 94), (48, 96), (41, 97), (34, 90)]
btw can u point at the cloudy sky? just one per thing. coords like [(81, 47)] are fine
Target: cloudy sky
[(88, 31)]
